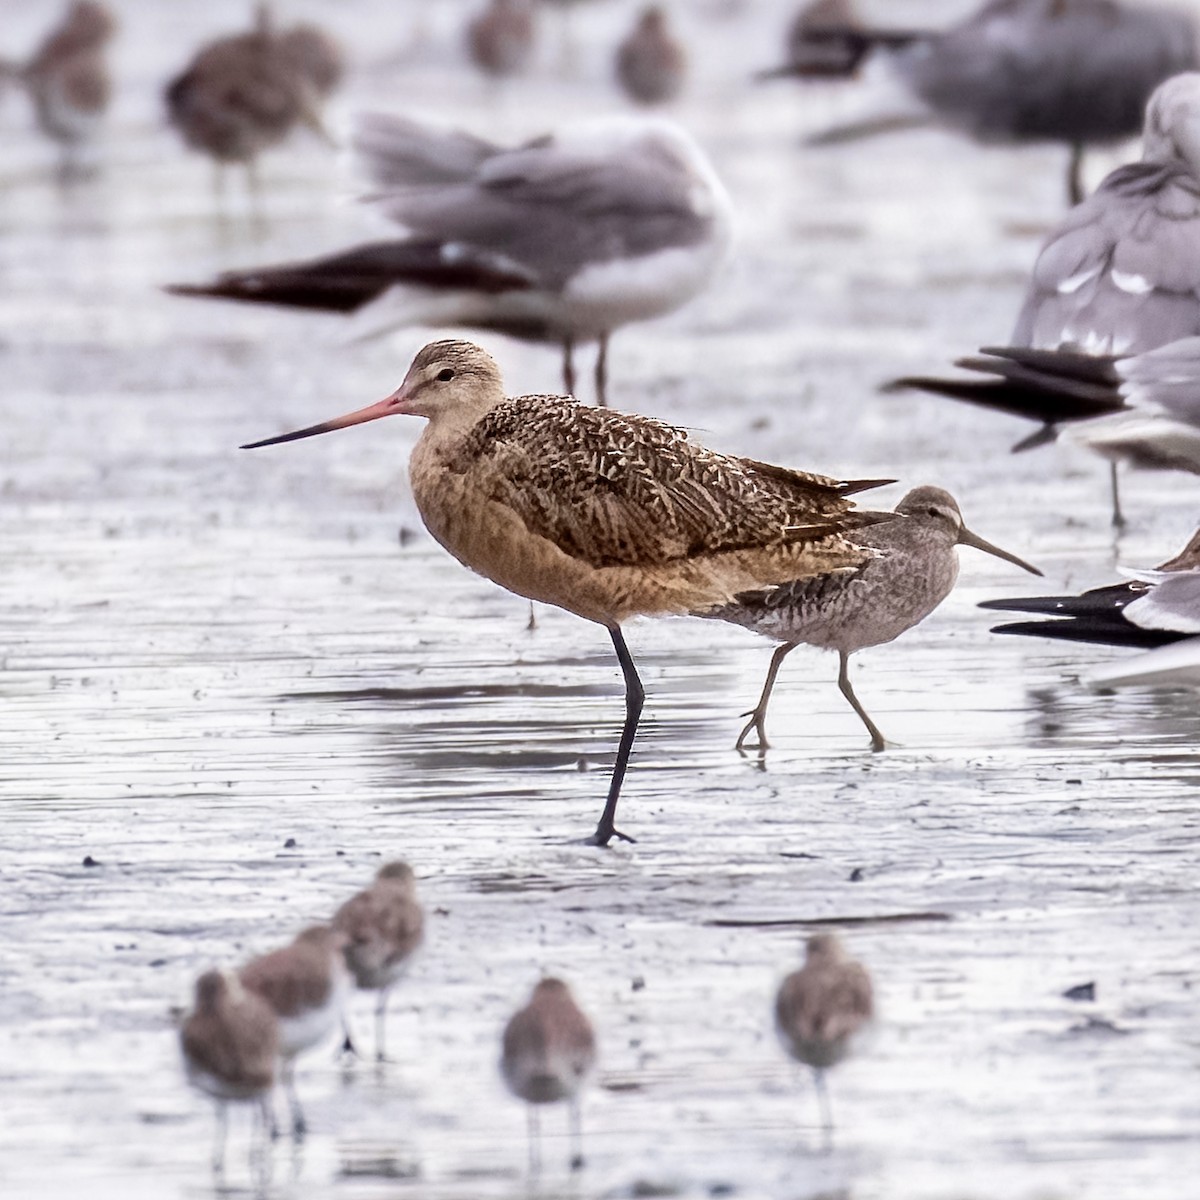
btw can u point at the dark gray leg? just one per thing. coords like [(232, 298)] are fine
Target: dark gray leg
[(218, 1154), (299, 1124), (569, 366), (877, 740), (758, 715), (381, 1025), (1075, 174), (535, 1140), (576, 1117), (602, 372), (825, 1107), (1118, 517), (635, 696)]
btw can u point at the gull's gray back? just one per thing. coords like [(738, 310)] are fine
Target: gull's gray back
[(1072, 70)]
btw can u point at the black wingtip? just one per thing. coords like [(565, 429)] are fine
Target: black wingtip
[(851, 487)]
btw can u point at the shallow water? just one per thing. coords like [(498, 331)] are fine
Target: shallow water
[(230, 682)]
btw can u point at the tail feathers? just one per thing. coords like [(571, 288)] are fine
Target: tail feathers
[(395, 152), (1111, 631), (347, 281)]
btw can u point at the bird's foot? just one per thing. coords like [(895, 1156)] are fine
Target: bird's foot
[(577, 1163), (754, 725), (349, 1049), (605, 834)]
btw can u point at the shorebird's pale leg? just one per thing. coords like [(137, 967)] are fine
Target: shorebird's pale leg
[(1075, 174), (758, 714), (877, 739), (576, 1118), (824, 1105), (602, 372), (569, 365), (535, 1139), (1118, 517), (218, 1154), (381, 1025), (348, 1046), (635, 696), (299, 1124)]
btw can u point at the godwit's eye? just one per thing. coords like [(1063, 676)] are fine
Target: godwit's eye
[(446, 375)]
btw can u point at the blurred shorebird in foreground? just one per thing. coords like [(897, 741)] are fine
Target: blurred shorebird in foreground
[(1155, 610), (68, 80), (562, 239), (912, 570), (1073, 71), (1120, 277), (604, 514), (243, 94), (820, 1008), (230, 1043), (305, 983), (383, 926), (549, 1049), (651, 61)]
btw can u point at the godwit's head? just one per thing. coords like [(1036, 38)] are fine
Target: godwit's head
[(450, 383), (939, 515)]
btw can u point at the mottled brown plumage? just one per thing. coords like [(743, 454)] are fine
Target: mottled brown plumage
[(549, 1048), (912, 568), (305, 983), (605, 514), (651, 61), (230, 1042), (820, 1008), (383, 926), (243, 94), (68, 78)]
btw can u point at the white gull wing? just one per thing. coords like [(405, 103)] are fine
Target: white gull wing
[(1174, 666), (1173, 603), (1122, 273), (1165, 380)]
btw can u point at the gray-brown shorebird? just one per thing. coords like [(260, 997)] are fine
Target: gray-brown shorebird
[(651, 61), (605, 514), (501, 38), (549, 1049), (820, 1008), (912, 570), (384, 925), (230, 1043)]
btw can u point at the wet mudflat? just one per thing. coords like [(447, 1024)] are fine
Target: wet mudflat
[(238, 681)]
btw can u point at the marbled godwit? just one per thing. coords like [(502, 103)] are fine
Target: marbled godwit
[(500, 39), (1157, 610), (383, 926), (820, 1008), (68, 79), (913, 570), (549, 1049), (1073, 71), (305, 983), (603, 514), (651, 61), (244, 94), (563, 239), (1121, 276), (230, 1042)]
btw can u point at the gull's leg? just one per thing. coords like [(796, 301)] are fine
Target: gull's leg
[(758, 714), (1075, 174), (635, 696), (576, 1117), (877, 740), (535, 1140), (218, 1154), (602, 372), (569, 365), (1118, 517)]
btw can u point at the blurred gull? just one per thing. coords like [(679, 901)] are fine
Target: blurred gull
[(1118, 279), (651, 61), (562, 239), (1074, 71), (1157, 610)]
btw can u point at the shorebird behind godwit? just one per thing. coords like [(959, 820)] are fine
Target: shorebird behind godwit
[(1072, 71), (914, 567), (305, 983), (549, 1049), (820, 1008), (604, 514), (651, 61), (383, 926), (501, 38), (230, 1041), (562, 239), (1120, 277)]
